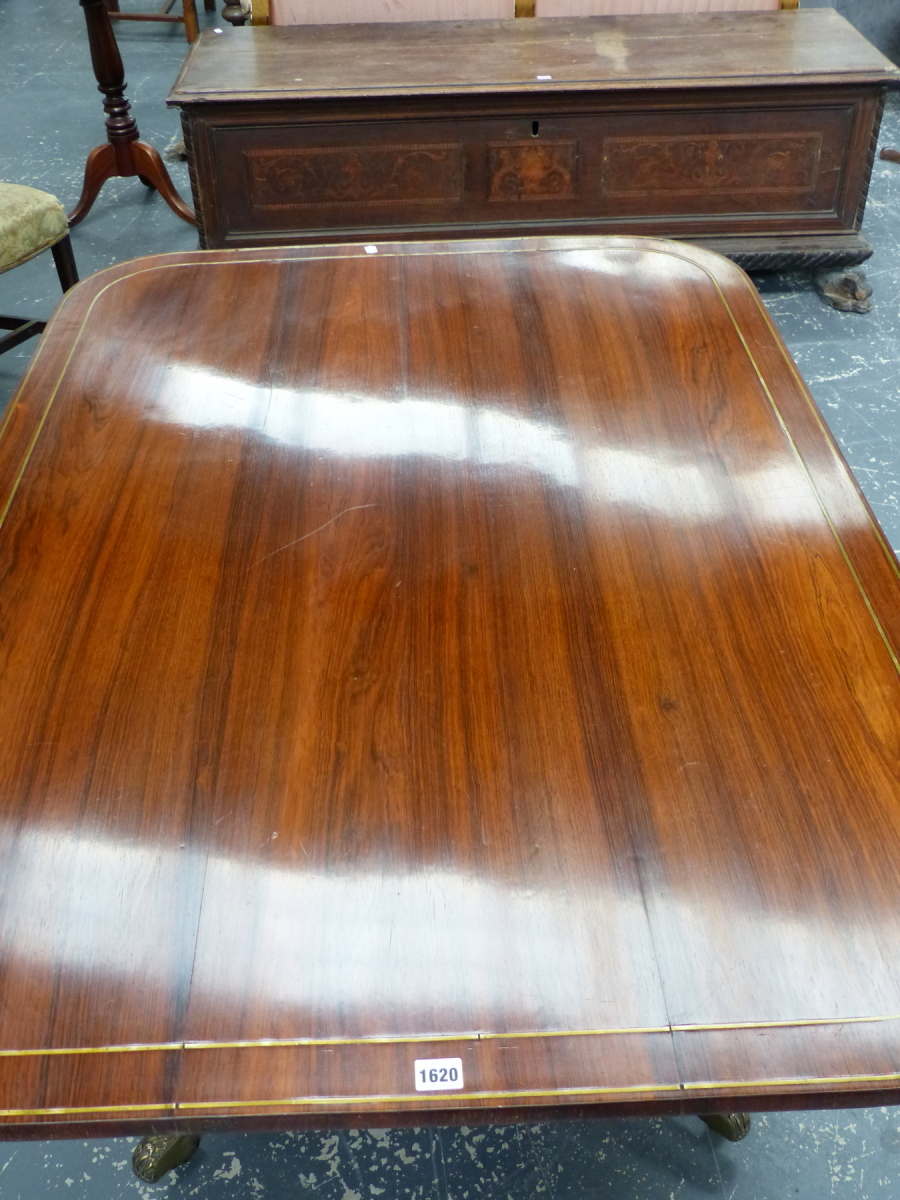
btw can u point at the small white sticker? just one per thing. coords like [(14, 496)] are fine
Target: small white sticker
[(371, 249), (544, 76), (438, 1074)]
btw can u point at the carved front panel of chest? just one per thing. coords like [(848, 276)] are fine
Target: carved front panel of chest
[(731, 163), (301, 178), (677, 165), (535, 170)]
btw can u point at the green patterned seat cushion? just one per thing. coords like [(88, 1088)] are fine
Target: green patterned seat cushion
[(30, 221)]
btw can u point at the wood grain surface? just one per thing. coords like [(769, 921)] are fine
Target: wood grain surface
[(750, 133), (762, 49), (471, 650)]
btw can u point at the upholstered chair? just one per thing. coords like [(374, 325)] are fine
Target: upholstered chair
[(32, 221)]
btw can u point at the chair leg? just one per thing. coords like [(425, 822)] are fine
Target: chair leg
[(22, 328), (65, 263), (191, 28)]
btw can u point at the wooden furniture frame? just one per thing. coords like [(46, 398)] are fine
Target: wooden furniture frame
[(23, 328), (760, 147), (123, 154), (188, 17), (472, 651)]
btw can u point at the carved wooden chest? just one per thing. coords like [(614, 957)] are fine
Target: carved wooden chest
[(752, 133)]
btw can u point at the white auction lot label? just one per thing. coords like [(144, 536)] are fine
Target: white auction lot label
[(438, 1074)]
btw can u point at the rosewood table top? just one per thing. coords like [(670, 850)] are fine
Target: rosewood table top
[(472, 651)]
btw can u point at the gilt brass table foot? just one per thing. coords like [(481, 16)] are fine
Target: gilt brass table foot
[(153, 1157), (732, 1126)]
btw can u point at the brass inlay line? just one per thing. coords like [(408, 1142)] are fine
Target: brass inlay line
[(413, 1039), (817, 417), (490, 249), (68, 1112), (43, 418), (893, 1077), (171, 267), (800, 1022), (419, 1038), (815, 491), (10, 408), (135, 1048), (391, 1040), (416, 1098)]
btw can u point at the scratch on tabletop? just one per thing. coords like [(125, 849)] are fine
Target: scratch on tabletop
[(312, 532)]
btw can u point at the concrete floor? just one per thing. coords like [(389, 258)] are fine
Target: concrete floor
[(51, 118)]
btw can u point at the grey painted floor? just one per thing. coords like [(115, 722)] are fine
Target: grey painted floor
[(51, 118)]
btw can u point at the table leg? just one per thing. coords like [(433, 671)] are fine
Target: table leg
[(732, 1126), (153, 1157)]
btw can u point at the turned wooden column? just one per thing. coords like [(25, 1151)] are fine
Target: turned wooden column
[(234, 12), (123, 154)]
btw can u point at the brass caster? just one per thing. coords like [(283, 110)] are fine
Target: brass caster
[(734, 1126), (154, 1156)]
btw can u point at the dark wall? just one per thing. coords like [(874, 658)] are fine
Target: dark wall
[(879, 20)]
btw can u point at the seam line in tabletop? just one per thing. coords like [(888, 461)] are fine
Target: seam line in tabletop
[(277, 260), (416, 1039)]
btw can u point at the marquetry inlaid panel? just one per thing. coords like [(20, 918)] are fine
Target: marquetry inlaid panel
[(354, 175), (728, 163), (533, 171), (616, 168)]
